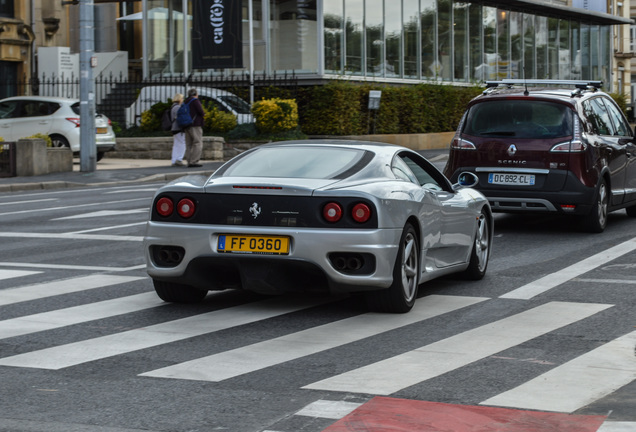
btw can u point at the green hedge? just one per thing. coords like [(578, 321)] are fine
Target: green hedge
[(340, 108)]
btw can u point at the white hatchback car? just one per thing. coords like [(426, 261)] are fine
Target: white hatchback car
[(59, 118)]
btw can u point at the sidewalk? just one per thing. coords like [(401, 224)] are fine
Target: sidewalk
[(108, 172)]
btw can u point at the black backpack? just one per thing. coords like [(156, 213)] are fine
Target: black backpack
[(166, 120)]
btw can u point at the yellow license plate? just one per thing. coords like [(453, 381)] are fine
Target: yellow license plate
[(266, 245), (102, 130)]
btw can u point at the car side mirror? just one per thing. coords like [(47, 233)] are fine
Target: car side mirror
[(465, 180)]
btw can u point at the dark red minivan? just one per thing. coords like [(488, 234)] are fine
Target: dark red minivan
[(564, 148)]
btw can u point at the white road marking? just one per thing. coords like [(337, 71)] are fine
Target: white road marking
[(70, 236), (66, 286), (394, 374), (72, 267), (612, 426), (578, 382), (550, 281), (120, 343), (103, 213), (109, 228), (608, 281), (8, 274), (334, 410), (29, 201), (132, 190), (229, 364), (75, 207), (78, 314)]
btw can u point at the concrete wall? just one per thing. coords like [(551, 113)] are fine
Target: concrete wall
[(33, 157), (216, 149)]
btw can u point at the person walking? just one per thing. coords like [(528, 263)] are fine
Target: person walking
[(194, 133), (178, 135)]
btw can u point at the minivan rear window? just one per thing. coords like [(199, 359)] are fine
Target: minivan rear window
[(519, 118)]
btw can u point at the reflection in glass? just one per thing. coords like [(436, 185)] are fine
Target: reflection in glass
[(528, 47), (553, 48), (503, 44), (444, 40), (489, 17), (565, 69), (460, 30), (430, 67), (353, 36), (411, 37), (293, 35), (333, 11), (516, 44), (475, 40), (541, 26), (374, 37), (393, 33)]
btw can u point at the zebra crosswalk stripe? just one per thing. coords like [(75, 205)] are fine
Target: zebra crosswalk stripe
[(578, 382), (65, 286), (393, 374), (78, 314), (120, 343), (258, 356), (9, 274)]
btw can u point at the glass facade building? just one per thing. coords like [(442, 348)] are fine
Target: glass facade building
[(399, 40)]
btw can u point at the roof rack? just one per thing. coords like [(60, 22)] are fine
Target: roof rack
[(580, 84)]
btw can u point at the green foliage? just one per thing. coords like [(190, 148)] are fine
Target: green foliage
[(49, 142), (151, 119), (116, 127), (341, 108), (621, 100), (275, 115), (242, 131), (218, 121)]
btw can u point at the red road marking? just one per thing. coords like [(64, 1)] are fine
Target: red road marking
[(383, 414)]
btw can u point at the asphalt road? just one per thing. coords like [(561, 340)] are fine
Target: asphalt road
[(546, 339)]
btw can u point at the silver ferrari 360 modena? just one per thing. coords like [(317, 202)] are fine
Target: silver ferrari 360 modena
[(317, 215)]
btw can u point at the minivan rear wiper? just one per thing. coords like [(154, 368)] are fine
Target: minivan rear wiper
[(501, 133)]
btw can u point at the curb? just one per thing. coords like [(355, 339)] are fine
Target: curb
[(58, 184)]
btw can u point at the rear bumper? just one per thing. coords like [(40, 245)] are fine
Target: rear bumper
[(551, 192)]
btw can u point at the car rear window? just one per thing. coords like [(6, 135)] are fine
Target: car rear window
[(519, 118), (298, 162)]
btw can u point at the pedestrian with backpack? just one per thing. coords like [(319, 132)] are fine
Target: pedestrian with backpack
[(193, 132), (178, 135)]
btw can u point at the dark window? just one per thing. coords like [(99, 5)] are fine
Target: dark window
[(8, 109), (621, 127), (9, 74), (598, 116), (6, 8), (520, 119), (297, 162)]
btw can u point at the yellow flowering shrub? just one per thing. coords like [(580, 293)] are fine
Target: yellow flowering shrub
[(218, 121), (45, 137), (275, 115), (149, 121)]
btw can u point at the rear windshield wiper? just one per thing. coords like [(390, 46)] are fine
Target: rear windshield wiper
[(501, 133)]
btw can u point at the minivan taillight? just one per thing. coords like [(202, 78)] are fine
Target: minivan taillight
[(576, 145), (459, 143)]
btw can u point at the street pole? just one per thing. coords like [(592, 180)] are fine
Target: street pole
[(88, 152)]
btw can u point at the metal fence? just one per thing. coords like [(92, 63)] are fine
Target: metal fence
[(116, 96)]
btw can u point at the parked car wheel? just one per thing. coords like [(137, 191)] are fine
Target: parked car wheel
[(59, 141), (596, 221), (400, 296), (178, 293)]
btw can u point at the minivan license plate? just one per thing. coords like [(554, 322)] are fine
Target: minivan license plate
[(511, 179)]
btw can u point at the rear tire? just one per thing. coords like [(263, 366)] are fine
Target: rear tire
[(400, 296), (481, 249), (178, 293), (596, 221), (100, 156)]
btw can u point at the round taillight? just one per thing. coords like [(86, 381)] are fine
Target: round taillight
[(165, 207), (185, 208), (361, 213), (332, 212)]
